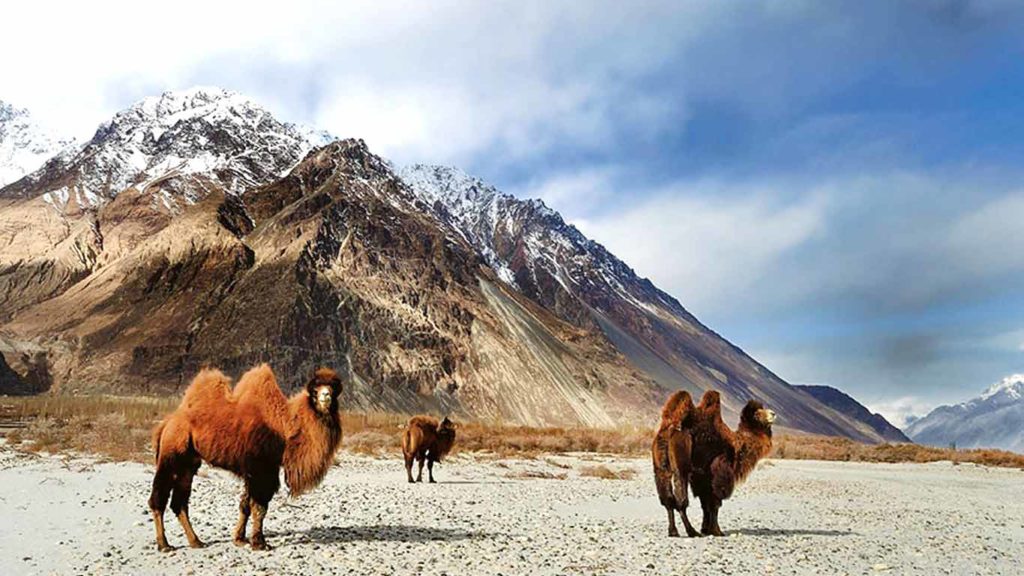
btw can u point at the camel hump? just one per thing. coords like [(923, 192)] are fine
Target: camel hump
[(209, 385), (676, 408), (259, 387), (711, 401), (423, 421)]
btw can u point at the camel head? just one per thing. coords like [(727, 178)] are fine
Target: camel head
[(446, 426), (323, 390), (755, 416)]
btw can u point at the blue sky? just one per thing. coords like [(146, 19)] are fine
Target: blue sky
[(835, 187)]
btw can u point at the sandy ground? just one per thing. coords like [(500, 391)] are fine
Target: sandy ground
[(73, 515)]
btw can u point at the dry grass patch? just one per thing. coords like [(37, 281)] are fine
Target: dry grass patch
[(605, 473), (536, 474), (844, 450), (119, 428)]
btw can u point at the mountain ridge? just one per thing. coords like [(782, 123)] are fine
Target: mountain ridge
[(494, 308), (991, 420), (846, 404)]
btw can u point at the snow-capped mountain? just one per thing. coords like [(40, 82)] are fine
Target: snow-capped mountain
[(177, 145), (194, 228), (549, 261), (993, 420), (24, 146)]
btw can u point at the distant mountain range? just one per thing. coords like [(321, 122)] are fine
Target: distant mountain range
[(844, 403), (993, 420), (195, 228)]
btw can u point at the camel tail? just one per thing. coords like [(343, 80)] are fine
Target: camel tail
[(158, 431)]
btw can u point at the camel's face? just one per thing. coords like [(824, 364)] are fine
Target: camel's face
[(765, 416), (324, 389), (323, 397)]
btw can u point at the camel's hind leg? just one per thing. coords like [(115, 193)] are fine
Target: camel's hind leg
[(690, 530), (244, 509), (181, 496), (172, 444), (162, 483), (408, 466)]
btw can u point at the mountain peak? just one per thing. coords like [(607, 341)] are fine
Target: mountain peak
[(24, 146), (1011, 387), (991, 420), (179, 144)]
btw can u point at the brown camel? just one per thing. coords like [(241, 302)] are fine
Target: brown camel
[(721, 458), (670, 453), (251, 431), (426, 439)]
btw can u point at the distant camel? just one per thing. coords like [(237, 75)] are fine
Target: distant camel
[(721, 458), (670, 453), (426, 439), (251, 431)]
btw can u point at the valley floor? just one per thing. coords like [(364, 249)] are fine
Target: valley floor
[(73, 515)]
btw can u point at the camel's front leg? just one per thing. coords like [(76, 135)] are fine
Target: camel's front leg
[(430, 469), (244, 509), (259, 512), (419, 474)]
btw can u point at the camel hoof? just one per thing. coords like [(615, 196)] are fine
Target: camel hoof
[(198, 544), (673, 534), (260, 544), (692, 534), (432, 481), (165, 547), (243, 541)]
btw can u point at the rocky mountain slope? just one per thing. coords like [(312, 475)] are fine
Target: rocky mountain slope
[(993, 420), (194, 228), (845, 404), (550, 262), (24, 146), (88, 206)]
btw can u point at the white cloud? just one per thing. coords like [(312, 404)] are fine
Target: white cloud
[(899, 410), (707, 245), (436, 81), (578, 193)]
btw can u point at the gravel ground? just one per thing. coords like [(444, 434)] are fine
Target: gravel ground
[(74, 515)]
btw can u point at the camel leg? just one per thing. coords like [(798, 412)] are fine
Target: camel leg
[(705, 523), (261, 490), (244, 509), (672, 531), (419, 460), (163, 479), (430, 470), (179, 503), (259, 512), (690, 531), (408, 467), (713, 529)]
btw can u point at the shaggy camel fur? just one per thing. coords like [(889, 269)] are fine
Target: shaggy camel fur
[(670, 453), (251, 431), (426, 439), (721, 458)]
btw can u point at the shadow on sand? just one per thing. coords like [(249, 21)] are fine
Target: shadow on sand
[(781, 532), (388, 533)]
